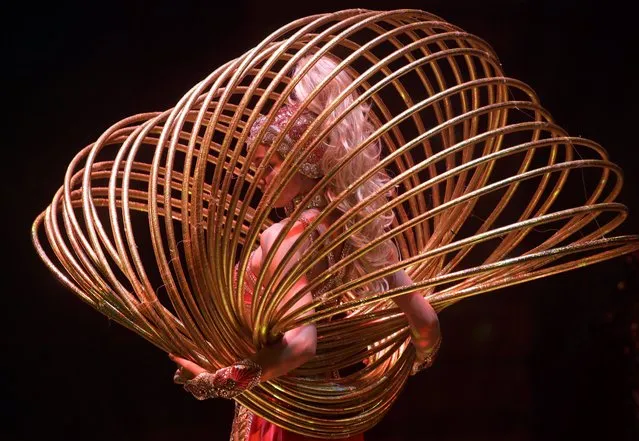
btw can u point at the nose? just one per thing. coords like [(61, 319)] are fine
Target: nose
[(266, 178)]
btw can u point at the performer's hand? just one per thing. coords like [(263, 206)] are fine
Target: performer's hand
[(187, 370), (227, 382)]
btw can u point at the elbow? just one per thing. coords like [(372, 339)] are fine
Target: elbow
[(302, 343), (306, 342), (309, 348)]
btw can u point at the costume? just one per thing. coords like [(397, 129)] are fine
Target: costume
[(478, 163)]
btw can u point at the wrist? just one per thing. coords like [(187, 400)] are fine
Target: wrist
[(227, 382), (427, 346)]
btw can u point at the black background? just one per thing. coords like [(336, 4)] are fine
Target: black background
[(540, 361)]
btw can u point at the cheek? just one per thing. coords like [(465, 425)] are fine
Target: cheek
[(291, 188), (293, 184), (272, 175), (268, 174), (297, 181)]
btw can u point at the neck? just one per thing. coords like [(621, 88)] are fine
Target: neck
[(317, 201)]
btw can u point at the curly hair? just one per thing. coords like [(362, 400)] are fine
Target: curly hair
[(347, 135)]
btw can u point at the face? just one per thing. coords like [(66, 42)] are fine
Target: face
[(298, 184)]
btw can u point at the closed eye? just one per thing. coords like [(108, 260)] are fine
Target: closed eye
[(257, 161), (269, 167)]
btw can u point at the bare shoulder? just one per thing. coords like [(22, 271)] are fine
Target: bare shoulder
[(270, 235)]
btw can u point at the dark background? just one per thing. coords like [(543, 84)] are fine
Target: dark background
[(551, 359)]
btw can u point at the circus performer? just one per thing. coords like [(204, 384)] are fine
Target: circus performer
[(298, 345), (414, 174)]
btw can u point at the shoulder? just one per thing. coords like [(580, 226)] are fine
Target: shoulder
[(270, 235)]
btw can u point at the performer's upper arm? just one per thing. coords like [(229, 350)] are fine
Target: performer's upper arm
[(267, 240)]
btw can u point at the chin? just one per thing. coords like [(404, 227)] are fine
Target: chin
[(281, 203), (284, 199)]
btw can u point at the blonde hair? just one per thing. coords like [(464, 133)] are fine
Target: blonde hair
[(348, 134)]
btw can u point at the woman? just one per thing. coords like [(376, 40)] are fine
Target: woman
[(298, 345)]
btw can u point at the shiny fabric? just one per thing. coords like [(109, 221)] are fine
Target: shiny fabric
[(262, 430)]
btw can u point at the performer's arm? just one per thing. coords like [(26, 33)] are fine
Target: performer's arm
[(295, 348), (417, 309), (422, 318), (297, 345)]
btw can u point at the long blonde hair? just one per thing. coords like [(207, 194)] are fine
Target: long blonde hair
[(347, 135)]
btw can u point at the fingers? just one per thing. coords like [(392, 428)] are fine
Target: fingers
[(191, 367), (178, 377)]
